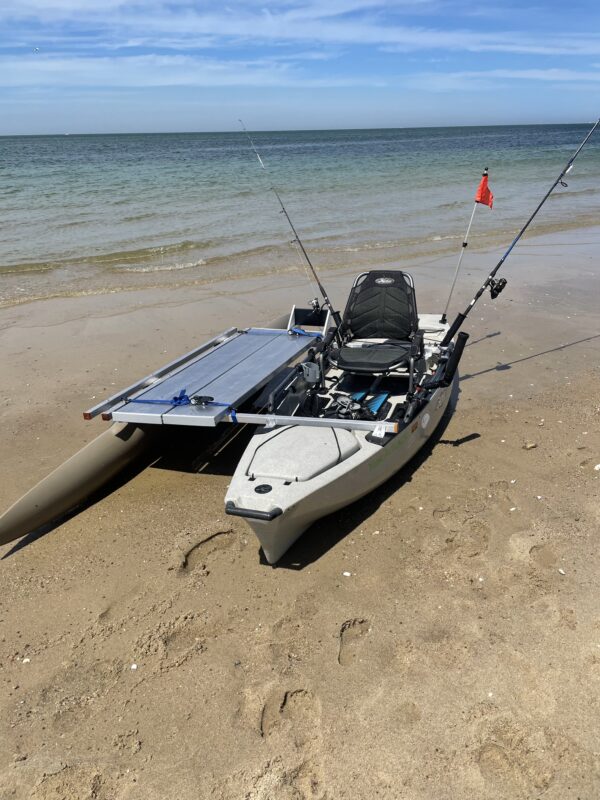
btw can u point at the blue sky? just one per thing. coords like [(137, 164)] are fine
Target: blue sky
[(148, 65)]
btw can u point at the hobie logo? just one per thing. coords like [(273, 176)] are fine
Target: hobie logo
[(384, 281)]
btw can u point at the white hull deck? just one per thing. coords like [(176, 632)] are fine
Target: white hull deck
[(302, 502), (291, 476)]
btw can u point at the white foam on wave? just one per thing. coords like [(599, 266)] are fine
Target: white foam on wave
[(166, 267)]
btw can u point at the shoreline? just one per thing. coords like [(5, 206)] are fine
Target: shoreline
[(92, 276)]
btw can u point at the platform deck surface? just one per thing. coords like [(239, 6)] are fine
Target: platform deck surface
[(229, 374)]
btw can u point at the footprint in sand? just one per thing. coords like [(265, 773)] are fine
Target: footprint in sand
[(69, 695), (276, 779), (543, 555), (496, 766), (469, 537), (472, 518), (408, 713), (295, 712), (568, 618), (293, 718), (516, 761), (173, 641), (183, 641), (75, 782), (352, 635)]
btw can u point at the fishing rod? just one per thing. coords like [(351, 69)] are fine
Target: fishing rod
[(496, 286), (297, 240)]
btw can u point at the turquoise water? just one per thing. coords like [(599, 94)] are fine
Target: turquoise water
[(108, 212)]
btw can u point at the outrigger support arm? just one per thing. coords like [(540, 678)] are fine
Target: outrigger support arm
[(337, 318), (497, 286)]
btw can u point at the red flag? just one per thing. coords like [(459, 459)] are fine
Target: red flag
[(484, 194)]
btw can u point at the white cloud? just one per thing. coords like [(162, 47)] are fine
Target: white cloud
[(478, 80), (160, 24), (145, 43), (554, 75), (157, 70)]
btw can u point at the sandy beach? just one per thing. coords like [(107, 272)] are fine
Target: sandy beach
[(148, 652)]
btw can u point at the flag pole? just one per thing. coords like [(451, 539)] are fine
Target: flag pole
[(496, 286), (460, 258), (482, 195)]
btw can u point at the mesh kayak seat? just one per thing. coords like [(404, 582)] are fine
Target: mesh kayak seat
[(380, 326), (373, 358)]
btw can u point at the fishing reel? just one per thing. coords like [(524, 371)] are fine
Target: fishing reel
[(345, 406), (496, 287)]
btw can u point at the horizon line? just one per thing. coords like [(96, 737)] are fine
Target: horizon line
[(297, 130)]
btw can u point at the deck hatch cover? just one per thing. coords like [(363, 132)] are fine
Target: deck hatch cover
[(301, 453)]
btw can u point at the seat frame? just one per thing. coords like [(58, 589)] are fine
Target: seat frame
[(415, 340)]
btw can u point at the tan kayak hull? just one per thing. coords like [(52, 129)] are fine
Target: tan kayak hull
[(75, 480)]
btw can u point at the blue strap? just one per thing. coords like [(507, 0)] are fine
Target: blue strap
[(224, 405), (301, 332), (182, 399)]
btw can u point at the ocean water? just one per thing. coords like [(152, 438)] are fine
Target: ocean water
[(83, 214)]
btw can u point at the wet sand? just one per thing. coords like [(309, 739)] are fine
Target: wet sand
[(461, 658)]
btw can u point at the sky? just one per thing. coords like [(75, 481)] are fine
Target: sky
[(86, 66)]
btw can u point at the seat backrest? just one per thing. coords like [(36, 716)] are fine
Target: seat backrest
[(382, 305)]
